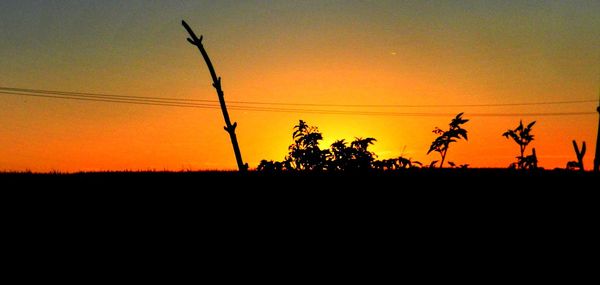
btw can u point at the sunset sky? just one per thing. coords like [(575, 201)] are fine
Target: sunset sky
[(300, 52)]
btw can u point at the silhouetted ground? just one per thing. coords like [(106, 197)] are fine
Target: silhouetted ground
[(401, 180), (189, 198), (450, 189), (429, 212)]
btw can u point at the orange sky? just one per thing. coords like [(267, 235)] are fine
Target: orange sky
[(325, 52)]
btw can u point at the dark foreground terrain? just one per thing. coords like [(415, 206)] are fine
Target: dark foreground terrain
[(324, 198), (404, 189), (419, 210), (405, 180), (448, 187)]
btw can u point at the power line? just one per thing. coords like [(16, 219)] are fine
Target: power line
[(109, 100), (285, 110), (98, 95), (166, 99)]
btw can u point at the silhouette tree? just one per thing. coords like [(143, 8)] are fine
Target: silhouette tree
[(522, 136), (445, 138), (304, 153)]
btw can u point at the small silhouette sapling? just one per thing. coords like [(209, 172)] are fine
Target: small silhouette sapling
[(404, 163), (572, 165), (229, 128), (522, 136), (454, 165), (442, 142)]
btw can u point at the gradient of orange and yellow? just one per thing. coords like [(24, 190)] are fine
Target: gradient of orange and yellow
[(324, 52)]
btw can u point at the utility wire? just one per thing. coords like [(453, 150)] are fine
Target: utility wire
[(109, 96), (281, 110)]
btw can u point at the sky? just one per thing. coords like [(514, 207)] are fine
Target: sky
[(309, 52)]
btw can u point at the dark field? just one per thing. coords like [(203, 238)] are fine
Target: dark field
[(417, 189), (391, 181), (432, 206)]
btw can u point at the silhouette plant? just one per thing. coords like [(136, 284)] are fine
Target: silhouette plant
[(340, 155), (354, 157), (454, 165), (409, 163), (305, 153), (385, 164), (445, 138), (522, 136), (396, 163), (271, 166), (229, 128), (572, 165), (406, 163), (362, 157)]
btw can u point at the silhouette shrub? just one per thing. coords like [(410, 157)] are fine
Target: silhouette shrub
[(445, 138), (305, 154), (522, 136)]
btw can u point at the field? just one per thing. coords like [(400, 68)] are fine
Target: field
[(409, 179), (425, 205)]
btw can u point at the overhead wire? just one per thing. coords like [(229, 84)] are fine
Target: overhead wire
[(96, 95), (194, 103)]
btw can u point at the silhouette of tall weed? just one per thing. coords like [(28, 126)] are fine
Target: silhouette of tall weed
[(445, 138), (522, 136)]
